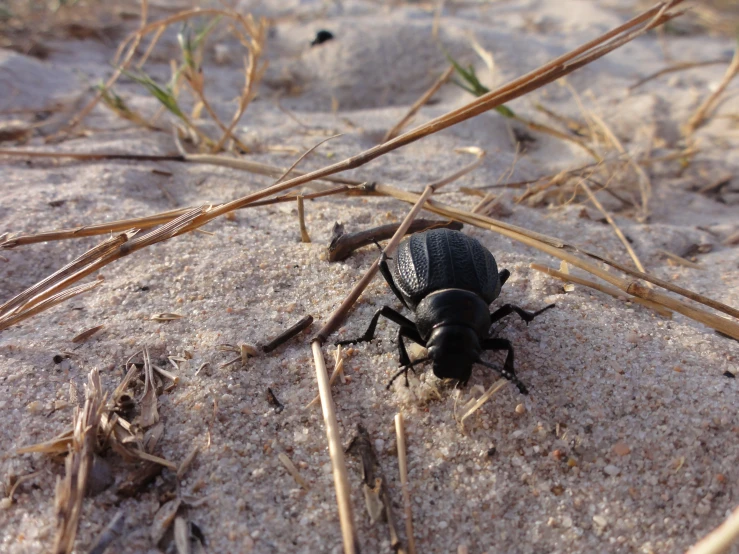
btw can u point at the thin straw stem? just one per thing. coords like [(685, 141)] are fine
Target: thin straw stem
[(443, 78), (403, 468), (615, 226), (720, 539), (600, 287), (336, 452)]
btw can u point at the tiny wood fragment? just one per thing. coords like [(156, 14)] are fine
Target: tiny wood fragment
[(289, 333), (343, 244)]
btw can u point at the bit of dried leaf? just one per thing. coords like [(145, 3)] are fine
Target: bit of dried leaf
[(292, 470), (372, 501), (110, 534), (166, 316), (187, 462), (163, 519), (84, 335), (181, 535)]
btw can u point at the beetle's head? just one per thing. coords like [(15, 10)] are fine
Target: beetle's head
[(453, 349)]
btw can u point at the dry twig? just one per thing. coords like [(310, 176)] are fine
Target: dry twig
[(443, 78), (700, 115)]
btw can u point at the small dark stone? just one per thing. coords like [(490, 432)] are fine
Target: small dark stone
[(729, 374), (143, 289), (58, 359), (321, 37), (491, 451)]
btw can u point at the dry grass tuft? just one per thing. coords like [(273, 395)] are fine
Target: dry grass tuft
[(251, 33)]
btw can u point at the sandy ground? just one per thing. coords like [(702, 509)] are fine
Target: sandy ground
[(628, 442)]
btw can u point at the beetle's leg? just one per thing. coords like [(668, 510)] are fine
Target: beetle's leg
[(390, 314), (508, 309), (385, 270), (503, 276), (403, 358), (508, 371)]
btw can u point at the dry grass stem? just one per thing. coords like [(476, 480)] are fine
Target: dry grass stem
[(110, 534), (304, 236), (116, 74), (613, 224), (425, 97), (700, 115), (645, 184), (720, 539), (616, 293), (47, 292), (167, 374), (89, 156), (50, 302), (478, 403), (292, 470), (148, 222), (403, 469), (8, 500), (679, 259), (338, 369), (336, 452), (145, 456), (104, 248), (682, 66), (70, 492), (187, 462)]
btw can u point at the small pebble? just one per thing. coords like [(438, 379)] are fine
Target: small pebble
[(600, 521), (621, 449), (34, 407), (611, 470), (520, 409)]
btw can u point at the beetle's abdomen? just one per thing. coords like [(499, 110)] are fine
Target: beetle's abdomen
[(445, 259)]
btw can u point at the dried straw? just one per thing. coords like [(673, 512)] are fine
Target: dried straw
[(720, 539), (403, 468), (700, 115), (616, 293), (425, 97), (336, 452)]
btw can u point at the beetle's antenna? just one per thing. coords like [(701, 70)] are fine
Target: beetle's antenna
[(404, 371), (511, 377)]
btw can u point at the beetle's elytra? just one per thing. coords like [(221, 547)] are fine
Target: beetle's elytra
[(449, 280)]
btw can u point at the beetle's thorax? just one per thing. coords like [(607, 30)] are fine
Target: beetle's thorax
[(454, 307)]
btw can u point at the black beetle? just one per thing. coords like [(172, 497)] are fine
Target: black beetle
[(321, 37), (448, 279)]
